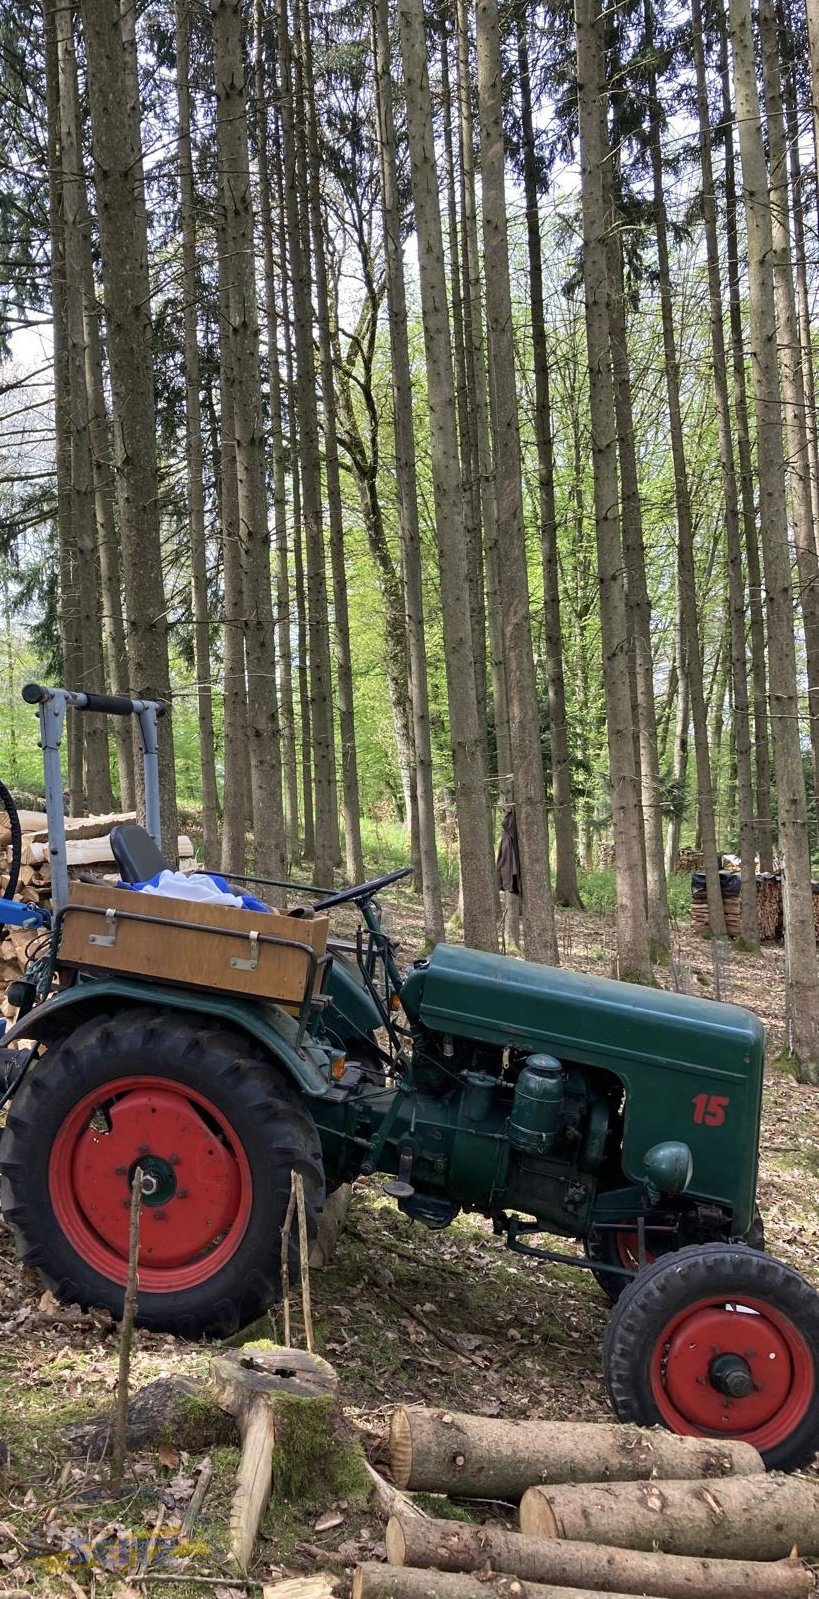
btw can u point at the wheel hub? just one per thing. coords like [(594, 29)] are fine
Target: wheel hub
[(195, 1192), (731, 1375)]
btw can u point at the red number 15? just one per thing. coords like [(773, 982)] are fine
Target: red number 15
[(709, 1109)]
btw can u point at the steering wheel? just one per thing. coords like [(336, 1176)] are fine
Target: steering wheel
[(362, 890), (9, 874)]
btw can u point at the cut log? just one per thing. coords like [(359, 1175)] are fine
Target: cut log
[(331, 1221), (373, 1581), (318, 1586), (250, 1383), (89, 851), (30, 822), (740, 1518), (177, 1410), (475, 1456), (391, 1501), (457, 1546)]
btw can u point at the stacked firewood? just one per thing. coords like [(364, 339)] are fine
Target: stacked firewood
[(731, 903), (768, 904), (606, 856), (603, 1509), (88, 851), (689, 860)]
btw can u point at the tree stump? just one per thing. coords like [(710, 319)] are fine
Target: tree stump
[(255, 1385), (330, 1225)]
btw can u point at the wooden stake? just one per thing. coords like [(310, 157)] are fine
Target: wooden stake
[(126, 1334), (197, 1500), (285, 1265), (304, 1261)]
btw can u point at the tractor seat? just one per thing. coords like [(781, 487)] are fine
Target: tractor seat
[(136, 854)]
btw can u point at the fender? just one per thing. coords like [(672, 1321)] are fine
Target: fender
[(269, 1025)]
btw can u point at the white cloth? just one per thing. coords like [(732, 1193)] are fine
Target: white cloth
[(184, 885)]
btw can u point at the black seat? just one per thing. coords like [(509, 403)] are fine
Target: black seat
[(136, 854)]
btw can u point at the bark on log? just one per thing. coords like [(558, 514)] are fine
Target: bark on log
[(331, 1222), (390, 1501), (318, 1586), (178, 1410), (741, 1518), (443, 1452), (372, 1581), (249, 1383), (456, 1546)]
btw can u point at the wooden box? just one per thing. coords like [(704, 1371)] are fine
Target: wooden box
[(197, 944)]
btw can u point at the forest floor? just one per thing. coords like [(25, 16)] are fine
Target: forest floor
[(406, 1316)]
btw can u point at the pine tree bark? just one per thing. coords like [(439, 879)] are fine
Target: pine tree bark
[(790, 367), (350, 798), (70, 638), (540, 939), (477, 867), (788, 47), (632, 929), (116, 139), (685, 526), (406, 481), (476, 367), (327, 842), (759, 671), (242, 333), (97, 778), (194, 448), (234, 850), (566, 889), (736, 579), (801, 971), (638, 606), (263, 131)]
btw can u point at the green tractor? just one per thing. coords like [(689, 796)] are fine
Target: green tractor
[(550, 1103)]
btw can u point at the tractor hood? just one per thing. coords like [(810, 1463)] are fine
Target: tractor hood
[(575, 1016)]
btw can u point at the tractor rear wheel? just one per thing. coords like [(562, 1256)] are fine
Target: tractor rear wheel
[(216, 1128), (719, 1341), (620, 1247)]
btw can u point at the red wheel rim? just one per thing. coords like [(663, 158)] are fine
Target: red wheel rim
[(764, 1341), (199, 1190), (628, 1250)]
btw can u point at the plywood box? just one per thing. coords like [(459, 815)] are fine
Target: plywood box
[(199, 945)]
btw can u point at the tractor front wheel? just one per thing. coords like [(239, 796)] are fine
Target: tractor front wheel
[(216, 1128), (719, 1341)]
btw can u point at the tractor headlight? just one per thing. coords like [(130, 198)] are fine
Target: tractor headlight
[(669, 1169)]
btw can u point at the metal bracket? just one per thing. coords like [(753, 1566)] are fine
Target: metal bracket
[(251, 964), (109, 937)]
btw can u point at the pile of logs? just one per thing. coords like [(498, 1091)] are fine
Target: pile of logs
[(603, 1509), (88, 849), (689, 860), (768, 904)]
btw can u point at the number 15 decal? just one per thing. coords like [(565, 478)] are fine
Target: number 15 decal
[(709, 1109)]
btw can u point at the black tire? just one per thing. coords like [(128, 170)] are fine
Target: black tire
[(686, 1311), (241, 1132), (608, 1247), (10, 874)]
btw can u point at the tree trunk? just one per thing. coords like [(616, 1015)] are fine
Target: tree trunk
[(456, 1546), (233, 669), (327, 841), (476, 368), (566, 889), (242, 333), (540, 940), (801, 975), (685, 527), (477, 867), (736, 579), (286, 711), (638, 606), (193, 432), (115, 124), (788, 46), (480, 1457), (764, 808), (740, 1518), (632, 931), (790, 369), (406, 482), (70, 637)]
